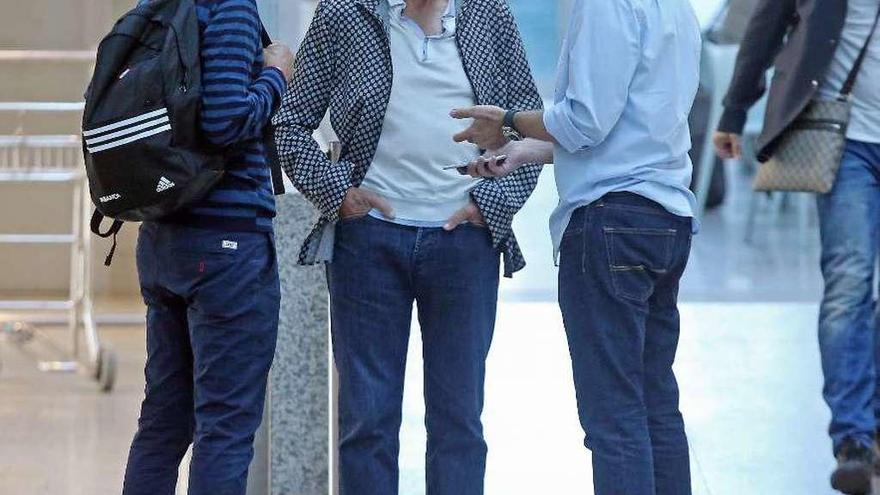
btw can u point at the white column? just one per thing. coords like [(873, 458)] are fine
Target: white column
[(287, 20), (292, 457)]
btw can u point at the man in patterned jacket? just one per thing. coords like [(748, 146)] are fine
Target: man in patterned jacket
[(398, 227)]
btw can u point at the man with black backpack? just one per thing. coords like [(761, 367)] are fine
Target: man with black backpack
[(208, 269)]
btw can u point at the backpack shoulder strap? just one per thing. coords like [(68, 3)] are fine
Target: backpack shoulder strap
[(269, 140), (264, 35)]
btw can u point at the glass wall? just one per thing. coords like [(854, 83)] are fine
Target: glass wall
[(542, 30)]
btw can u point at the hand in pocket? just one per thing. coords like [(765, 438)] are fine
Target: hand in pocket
[(358, 202)]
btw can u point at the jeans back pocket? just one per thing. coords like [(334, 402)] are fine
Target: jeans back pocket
[(638, 258)]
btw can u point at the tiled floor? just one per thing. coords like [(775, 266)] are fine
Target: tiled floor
[(748, 368), (748, 364), (58, 434), (749, 376), (750, 384)]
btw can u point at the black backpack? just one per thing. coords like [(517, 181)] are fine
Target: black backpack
[(144, 154)]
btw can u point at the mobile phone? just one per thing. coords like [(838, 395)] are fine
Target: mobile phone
[(462, 169)]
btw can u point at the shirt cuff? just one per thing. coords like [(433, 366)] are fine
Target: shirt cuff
[(334, 186), (733, 121), (558, 122), (276, 80), (492, 202)]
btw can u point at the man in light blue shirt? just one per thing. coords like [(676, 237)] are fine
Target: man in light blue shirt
[(618, 135)]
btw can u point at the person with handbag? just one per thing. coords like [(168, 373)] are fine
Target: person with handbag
[(822, 135), (397, 228)]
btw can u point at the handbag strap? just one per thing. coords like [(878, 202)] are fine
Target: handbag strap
[(850, 83)]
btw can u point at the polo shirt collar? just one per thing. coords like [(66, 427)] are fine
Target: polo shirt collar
[(397, 7)]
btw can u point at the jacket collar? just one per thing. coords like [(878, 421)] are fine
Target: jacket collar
[(377, 8)]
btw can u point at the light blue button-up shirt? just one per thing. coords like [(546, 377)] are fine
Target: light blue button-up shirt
[(628, 76)]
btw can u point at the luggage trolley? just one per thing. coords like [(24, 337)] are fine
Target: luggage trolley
[(31, 159)]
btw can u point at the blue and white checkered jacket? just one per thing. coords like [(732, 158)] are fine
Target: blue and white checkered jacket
[(344, 65)]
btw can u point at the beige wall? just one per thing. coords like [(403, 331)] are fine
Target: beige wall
[(52, 25), (57, 24), (46, 209)]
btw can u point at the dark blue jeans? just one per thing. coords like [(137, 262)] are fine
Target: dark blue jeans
[(849, 219), (379, 269), (621, 261), (212, 318)]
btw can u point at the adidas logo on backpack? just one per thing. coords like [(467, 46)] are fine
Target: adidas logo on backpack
[(164, 185)]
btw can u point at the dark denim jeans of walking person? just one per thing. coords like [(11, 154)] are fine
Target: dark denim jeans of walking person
[(849, 221), (621, 261), (212, 319), (379, 270)]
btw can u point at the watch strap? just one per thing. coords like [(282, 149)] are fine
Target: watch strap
[(509, 119)]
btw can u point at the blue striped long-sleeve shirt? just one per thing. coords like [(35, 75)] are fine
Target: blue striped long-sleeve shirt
[(238, 97)]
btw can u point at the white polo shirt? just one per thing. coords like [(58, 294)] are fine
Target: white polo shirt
[(416, 141)]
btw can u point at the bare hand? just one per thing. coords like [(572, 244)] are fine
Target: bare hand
[(485, 131), (487, 166), (470, 214), (358, 202), (727, 145), (280, 56)]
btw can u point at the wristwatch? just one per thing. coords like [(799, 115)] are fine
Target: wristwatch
[(509, 129)]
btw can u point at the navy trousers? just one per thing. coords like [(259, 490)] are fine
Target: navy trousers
[(379, 269), (621, 261), (212, 319)]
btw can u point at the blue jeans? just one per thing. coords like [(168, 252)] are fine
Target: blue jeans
[(849, 219), (212, 318), (621, 261), (379, 269)]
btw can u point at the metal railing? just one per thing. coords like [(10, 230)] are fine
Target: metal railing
[(47, 56), (57, 158)]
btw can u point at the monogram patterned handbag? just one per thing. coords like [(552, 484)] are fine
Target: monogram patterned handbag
[(809, 153)]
